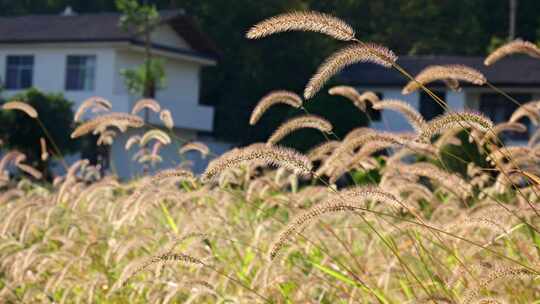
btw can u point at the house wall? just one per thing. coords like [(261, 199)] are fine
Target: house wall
[(180, 94), (166, 35), (50, 70)]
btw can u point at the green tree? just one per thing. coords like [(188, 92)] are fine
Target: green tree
[(18, 131), (142, 20)]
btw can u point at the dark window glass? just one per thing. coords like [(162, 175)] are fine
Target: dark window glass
[(499, 109), (80, 73), (19, 72), (374, 115), (429, 108)]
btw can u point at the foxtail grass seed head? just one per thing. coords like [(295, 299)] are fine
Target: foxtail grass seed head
[(293, 124), (530, 110), (453, 120), (43, 146), (344, 201), (89, 103), (195, 146), (410, 113), (302, 21), (451, 72), (30, 170), (273, 98), (351, 94), (102, 121), (166, 117), (132, 140), (513, 47), (146, 103), (21, 106), (355, 53), (155, 134), (259, 154)]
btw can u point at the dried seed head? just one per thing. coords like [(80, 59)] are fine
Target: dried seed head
[(259, 154), (452, 73), (195, 146), (351, 54), (155, 134), (513, 47), (30, 170), (21, 106), (44, 152), (454, 120), (410, 113), (101, 122), (530, 110), (351, 94), (133, 139), (323, 150), (166, 117), (106, 138), (293, 124), (302, 21), (90, 103), (272, 98), (346, 200), (146, 103)]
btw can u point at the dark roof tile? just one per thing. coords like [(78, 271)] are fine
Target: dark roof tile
[(94, 27)]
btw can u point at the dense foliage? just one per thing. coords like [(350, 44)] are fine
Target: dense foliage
[(20, 132)]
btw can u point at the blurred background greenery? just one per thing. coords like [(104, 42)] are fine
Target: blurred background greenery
[(249, 69)]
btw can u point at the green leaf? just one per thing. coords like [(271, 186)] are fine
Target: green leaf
[(169, 218)]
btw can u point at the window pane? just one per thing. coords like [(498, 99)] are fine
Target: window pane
[(19, 72), (430, 108), (11, 78), (80, 73), (26, 60), (26, 78)]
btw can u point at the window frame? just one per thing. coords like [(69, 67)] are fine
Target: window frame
[(82, 70), (19, 68)]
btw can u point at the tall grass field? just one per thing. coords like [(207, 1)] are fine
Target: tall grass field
[(446, 213)]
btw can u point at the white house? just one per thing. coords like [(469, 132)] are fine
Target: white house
[(82, 55), (517, 76)]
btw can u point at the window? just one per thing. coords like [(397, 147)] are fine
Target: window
[(374, 115), (499, 109), (80, 73), (429, 108), (19, 72)]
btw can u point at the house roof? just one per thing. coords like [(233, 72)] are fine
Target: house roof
[(511, 71), (100, 27)]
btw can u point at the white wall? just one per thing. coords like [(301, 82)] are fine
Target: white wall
[(50, 70), (166, 35), (180, 94)]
